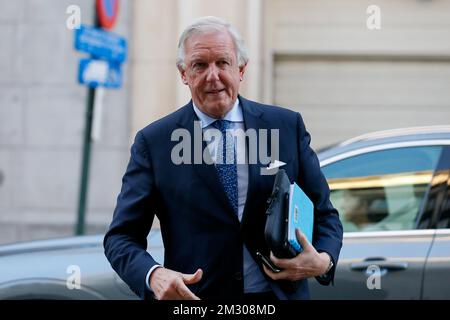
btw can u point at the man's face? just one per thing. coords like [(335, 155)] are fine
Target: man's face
[(212, 72)]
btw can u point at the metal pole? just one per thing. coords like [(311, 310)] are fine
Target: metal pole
[(87, 144)]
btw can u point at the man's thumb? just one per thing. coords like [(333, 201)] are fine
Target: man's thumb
[(192, 278), (301, 238)]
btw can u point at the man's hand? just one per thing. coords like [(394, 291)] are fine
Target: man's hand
[(309, 263), (171, 285)]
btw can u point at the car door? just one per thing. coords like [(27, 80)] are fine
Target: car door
[(437, 280), (379, 193)]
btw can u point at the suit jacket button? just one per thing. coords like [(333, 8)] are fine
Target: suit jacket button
[(238, 276)]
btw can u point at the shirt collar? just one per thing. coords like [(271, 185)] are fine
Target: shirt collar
[(234, 115)]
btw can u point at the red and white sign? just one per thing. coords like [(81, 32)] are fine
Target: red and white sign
[(107, 11)]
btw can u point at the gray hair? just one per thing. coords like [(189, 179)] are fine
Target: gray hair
[(207, 25)]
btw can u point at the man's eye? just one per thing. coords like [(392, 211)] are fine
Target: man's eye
[(199, 65), (223, 63)]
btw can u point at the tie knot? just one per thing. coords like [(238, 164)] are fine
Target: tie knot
[(222, 125)]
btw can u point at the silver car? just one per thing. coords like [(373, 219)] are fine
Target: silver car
[(392, 190), (66, 268)]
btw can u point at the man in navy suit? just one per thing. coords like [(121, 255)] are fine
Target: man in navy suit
[(210, 205)]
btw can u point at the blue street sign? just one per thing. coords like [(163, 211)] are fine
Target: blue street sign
[(95, 73), (101, 44)]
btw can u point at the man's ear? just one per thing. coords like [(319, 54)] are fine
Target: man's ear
[(183, 75), (242, 71)]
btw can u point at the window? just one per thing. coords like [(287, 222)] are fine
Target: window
[(444, 221), (382, 190)]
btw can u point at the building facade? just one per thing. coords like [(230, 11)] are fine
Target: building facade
[(316, 57)]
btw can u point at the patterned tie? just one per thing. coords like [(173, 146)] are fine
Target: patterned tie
[(226, 163)]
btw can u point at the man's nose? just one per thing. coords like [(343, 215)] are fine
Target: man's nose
[(213, 73)]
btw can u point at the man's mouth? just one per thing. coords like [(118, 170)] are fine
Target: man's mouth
[(215, 91)]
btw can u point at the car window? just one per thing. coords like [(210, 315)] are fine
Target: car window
[(444, 221), (382, 190)]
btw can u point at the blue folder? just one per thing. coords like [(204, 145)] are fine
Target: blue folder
[(301, 216)]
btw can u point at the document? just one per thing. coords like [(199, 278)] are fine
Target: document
[(301, 216)]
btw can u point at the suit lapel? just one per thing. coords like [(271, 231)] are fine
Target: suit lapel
[(207, 172), (253, 120)]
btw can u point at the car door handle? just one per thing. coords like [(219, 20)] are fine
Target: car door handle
[(382, 263)]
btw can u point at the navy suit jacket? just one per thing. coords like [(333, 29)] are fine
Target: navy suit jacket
[(198, 226)]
